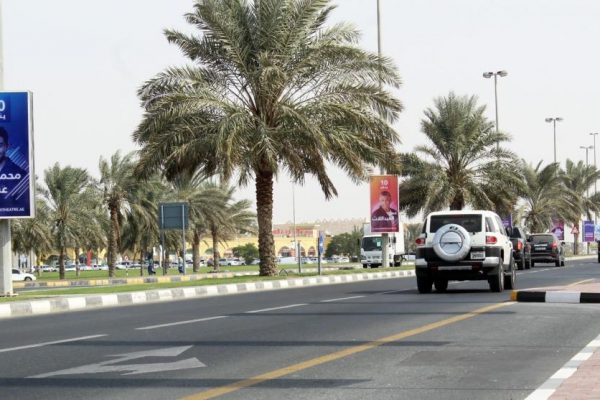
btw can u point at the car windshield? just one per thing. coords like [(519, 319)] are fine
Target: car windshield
[(371, 243), (471, 222), (542, 239)]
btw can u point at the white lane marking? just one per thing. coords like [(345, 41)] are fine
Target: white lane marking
[(398, 291), (189, 321), (340, 299), (31, 346), (275, 308), (133, 369)]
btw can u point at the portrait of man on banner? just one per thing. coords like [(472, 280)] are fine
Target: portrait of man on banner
[(558, 229), (384, 204)]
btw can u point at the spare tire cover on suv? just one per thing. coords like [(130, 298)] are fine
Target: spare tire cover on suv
[(452, 242)]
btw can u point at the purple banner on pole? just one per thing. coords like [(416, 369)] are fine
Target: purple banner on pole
[(588, 231), (558, 228), (507, 222)]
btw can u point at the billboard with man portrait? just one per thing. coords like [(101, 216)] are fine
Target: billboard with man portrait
[(16, 156), (384, 204)]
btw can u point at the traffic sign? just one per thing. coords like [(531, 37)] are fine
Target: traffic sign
[(575, 230), (321, 242)]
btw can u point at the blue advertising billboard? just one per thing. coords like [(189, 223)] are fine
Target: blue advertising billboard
[(16, 156)]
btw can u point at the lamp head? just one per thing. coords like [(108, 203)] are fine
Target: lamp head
[(502, 73), (558, 119), (488, 74), (549, 119)]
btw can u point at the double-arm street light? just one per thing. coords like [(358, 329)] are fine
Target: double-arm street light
[(495, 75), (554, 120)]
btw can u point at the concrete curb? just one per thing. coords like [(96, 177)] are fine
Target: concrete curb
[(554, 296), (128, 281), (80, 303)]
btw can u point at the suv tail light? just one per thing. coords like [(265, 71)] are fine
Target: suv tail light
[(420, 241), (491, 240), (519, 245), (554, 245)]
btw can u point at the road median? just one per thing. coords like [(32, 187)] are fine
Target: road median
[(94, 301)]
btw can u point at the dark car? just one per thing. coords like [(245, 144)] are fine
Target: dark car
[(545, 247), (521, 247)]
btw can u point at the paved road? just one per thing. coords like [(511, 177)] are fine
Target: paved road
[(379, 340)]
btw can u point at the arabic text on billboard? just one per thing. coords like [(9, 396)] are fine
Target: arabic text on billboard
[(16, 155), (384, 204)]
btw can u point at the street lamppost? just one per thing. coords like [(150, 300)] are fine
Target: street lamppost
[(296, 245), (495, 75), (587, 148), (554, 120), (594, 134), (384, 236)]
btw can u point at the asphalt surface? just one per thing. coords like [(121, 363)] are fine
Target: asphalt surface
[(413, 346)]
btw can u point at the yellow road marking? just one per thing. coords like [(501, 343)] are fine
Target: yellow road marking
[(580, 282), (220, 391)]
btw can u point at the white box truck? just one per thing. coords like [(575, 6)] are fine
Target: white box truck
[(370, 248)]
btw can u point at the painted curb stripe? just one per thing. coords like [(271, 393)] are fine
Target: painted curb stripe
[(95, 301), (555, 297), (590, 298), (537, 297)]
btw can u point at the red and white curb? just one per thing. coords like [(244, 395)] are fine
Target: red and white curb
[(548, 388)]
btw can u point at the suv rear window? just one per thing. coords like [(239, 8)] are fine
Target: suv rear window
[(542, 239), (471, 222)]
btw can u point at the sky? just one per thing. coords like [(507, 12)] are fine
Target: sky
[(85, 60)]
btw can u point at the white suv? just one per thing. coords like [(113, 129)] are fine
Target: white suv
[(464, 245)]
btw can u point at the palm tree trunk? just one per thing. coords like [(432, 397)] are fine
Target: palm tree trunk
[(215, 250), (458, 202), (264, 208), (142, 259), (61, 263), (77, 261), (112, 242), (196, 251)]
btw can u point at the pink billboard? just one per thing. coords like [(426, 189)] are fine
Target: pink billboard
[(384, 204)]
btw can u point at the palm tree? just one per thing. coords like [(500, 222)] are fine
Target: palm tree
[(578, 179), (69, 197), (118, 186), (544, 196), (206, 200), (33, 234), (463, 164), (140, 230), (270, 90), (235, 218)]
